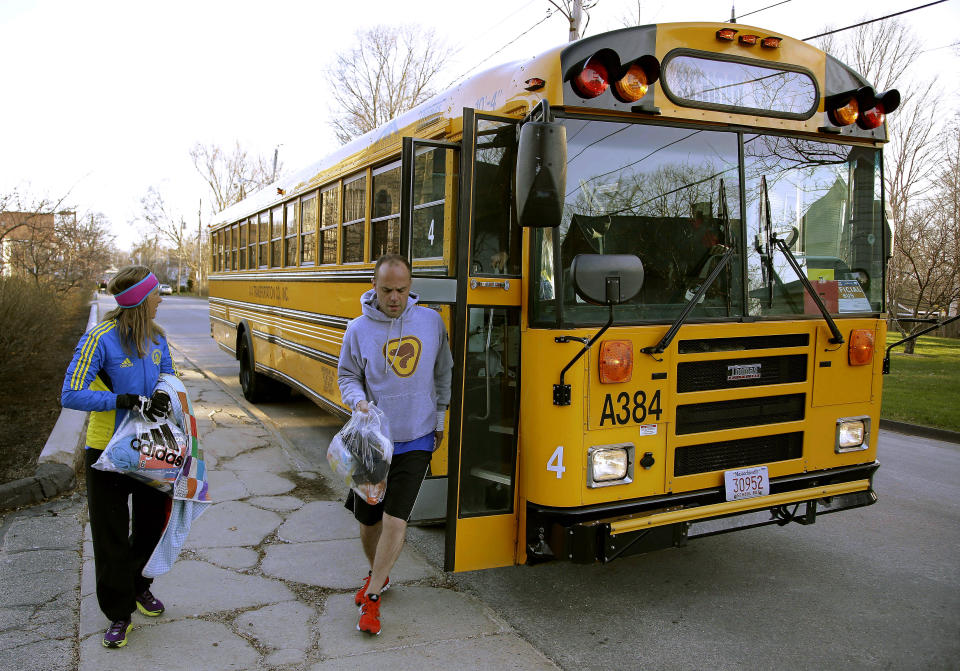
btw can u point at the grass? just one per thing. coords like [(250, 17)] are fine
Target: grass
[(924, 387)]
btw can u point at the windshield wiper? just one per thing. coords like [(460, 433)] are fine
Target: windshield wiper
[(784, 245), (668, 337)]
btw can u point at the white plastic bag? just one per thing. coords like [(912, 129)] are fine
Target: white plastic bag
[(152, 452), (360, 454)]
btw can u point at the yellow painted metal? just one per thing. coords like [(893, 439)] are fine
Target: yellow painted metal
[(731, 507), (703, 37), (485, 542)]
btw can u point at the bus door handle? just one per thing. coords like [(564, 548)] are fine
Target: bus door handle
[(478, 284)]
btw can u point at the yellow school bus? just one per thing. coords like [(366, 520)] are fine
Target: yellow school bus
[(660, 253)]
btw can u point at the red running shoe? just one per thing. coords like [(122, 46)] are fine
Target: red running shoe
[(369, 621), (358, 598)]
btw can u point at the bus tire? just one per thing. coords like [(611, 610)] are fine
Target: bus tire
[(257, 387)]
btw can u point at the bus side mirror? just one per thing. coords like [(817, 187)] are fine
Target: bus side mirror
[(607, 279), (541, 174)]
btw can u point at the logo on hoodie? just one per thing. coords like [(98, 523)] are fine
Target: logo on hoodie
[(403, 354)]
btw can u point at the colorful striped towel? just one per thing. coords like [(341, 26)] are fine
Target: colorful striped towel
[(191, 493)]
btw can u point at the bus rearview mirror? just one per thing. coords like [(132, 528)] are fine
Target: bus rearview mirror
[(541, 174), (607, 279)]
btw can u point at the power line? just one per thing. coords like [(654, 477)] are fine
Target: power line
[(882, 18), (945, 46), (550, 13), (760, 10)]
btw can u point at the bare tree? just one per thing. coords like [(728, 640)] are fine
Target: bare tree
[(232, 174), (390, 70), (62, 251), (632, 16), (167, 224), (573, 11)]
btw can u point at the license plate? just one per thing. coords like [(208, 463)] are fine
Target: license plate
[(746, 483)]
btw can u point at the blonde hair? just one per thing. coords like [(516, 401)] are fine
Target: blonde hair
[(134, 325)]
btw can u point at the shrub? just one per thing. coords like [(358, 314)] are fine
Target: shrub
[(28, 315)]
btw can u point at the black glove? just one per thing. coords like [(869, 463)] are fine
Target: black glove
[(128, 401), (158, 406)]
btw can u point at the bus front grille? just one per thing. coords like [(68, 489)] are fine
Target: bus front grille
[(692, 459), (702, 345), (739, 373), (697, 417)]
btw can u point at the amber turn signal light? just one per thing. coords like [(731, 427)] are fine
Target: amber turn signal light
[(861, 347), (616, 361)]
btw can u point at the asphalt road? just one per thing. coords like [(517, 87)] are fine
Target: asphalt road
[(865, 589)]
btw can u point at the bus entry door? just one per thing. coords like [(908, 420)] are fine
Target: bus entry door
[(482, 506)]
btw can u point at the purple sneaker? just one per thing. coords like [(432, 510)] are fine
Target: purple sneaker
[(116, 634), (148, 604)]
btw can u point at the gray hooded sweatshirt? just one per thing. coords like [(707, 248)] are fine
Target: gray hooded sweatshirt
[(403, 365)]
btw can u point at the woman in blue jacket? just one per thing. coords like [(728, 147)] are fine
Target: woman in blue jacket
[(115, 367)]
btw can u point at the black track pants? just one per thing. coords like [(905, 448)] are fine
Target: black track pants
[(121, 550)]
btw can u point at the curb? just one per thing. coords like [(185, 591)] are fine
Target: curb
[(60, 459), (922, 431)]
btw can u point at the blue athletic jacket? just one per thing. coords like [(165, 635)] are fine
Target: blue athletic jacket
[(101, 369)]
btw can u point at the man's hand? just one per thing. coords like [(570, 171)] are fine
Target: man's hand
[(158, 407), (437, 438), (362, 406)]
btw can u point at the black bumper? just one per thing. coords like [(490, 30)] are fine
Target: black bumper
[(605, 532)]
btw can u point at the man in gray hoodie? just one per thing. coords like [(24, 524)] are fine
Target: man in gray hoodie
[(395, 355)]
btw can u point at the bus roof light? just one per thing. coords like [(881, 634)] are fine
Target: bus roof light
[(726, 34), (637, 79), (860, 352), (749, 40), (770, 42), (616, 361), (843, 111), (876, 107), (593, 79)]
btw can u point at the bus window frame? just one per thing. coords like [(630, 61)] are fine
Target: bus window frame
[(304, 232), (290, 207), (276, 236), (335, 226), (396, 164), (263, 219), (735, 109), (242, 245), (363, 221)]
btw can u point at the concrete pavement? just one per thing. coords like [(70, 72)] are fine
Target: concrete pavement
[(266, 579)]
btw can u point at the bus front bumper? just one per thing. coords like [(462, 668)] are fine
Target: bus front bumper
[(607, 532)]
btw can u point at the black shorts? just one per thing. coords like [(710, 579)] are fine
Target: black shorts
[(406, 474)]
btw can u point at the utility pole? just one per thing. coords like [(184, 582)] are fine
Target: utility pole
[(576, 15), (200, 256), (183, 226)]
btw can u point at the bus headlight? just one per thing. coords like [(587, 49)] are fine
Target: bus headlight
[(609, 465), (853, 433)]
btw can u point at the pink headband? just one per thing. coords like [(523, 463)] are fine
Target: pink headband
[(133, 296)]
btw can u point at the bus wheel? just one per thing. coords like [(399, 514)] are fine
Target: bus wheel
[(256, 387)]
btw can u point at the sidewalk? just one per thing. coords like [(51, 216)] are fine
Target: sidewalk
[(266, 579)]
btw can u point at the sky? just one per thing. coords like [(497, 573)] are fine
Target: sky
[(103, 99)]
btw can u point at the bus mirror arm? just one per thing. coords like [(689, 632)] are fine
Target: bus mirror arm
[(668, 337), (561, 392), (784, 246), (913, 336)]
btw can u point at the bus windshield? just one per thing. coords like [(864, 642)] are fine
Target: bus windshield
[(673, 196)]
